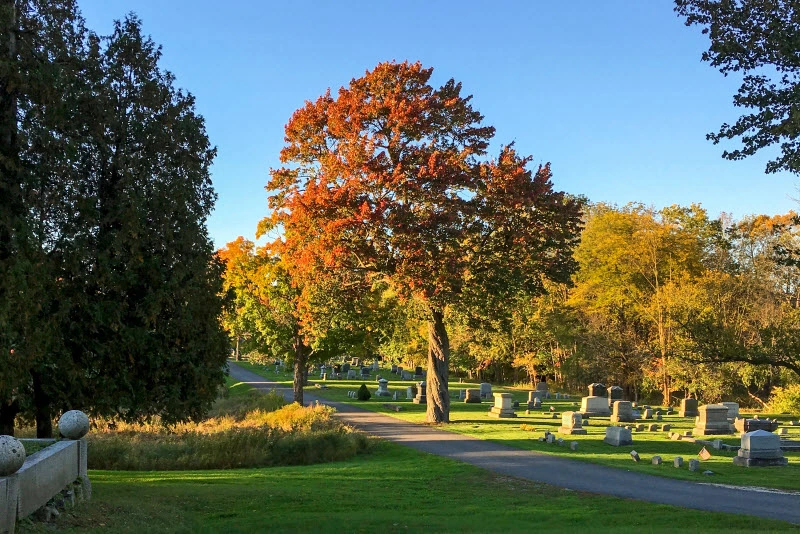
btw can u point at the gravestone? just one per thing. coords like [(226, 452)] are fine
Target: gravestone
[(537, 403), (558, 396), (396, 396), (652, 428), (677, 462), (376, 365), (472, 396), (615, 393), (573, 445), (647, 413), (618, 436), (394, 368), (542, 387), (421, 397), (713, 419), (656, 460), (595, 406), (749, 425), (345, 367), (351, 374), (502, 406), (382, 390), (534, 395), (410, 392), (418, 373), (694, 465), (355, 362), (406, 375), (733, 410), (486, 390), (322, 369), (688, 408), (364, 372), (571, 423), (462, 394), (760, 449), (623, 412), (597, 390)]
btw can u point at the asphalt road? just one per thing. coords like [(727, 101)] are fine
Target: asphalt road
[(552, 470)]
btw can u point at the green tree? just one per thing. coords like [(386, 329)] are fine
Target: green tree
[(759, 39)]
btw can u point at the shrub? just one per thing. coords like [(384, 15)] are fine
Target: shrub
[(785, 400), (250, 430), (363, 393), (259, 358)]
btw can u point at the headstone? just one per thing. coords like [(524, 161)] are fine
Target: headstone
[(534, 395), (472, 396), (418, 373), (550, 438), (617, 436), (365, 372), (395, 396), (783, 432), (502, 406), (677, 462), (760, 449), (694, 465), (597, 390), (394, 368), (462, 394), (322, 370), (376, 365), (355, 362), (622, 413), (688, 408), (406, 375), (744, 426), (652, 427), (573, 446), (656, 460), (647, 413), (571, 423), (558, 396), (595, 406), (615, 393), (665, 427), (635, 456), (733, 410), (537, 404), (542, 387), (400, 371), (382, 390), (639, 428), (346, 368), (351, 374), (560, 442), (486, 390), (713, 419), (421, 397)]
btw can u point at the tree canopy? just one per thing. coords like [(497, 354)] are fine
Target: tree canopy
[(759, 39)]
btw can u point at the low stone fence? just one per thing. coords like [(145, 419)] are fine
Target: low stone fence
[(60, 468)]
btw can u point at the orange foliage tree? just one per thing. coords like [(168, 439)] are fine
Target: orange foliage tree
[(390, 180)]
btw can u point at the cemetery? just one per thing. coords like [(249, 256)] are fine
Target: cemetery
[(666, 433)]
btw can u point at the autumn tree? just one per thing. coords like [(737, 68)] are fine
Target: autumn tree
[(760, 40), (389, 180)]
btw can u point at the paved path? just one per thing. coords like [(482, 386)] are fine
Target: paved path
[(556, 471)]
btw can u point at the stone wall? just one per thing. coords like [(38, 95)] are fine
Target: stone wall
[(43, 475)]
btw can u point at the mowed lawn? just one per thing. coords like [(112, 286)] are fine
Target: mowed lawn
[(393, 489), (472, 420)]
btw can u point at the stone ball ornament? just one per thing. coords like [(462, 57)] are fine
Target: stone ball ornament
[(74, 424), (12, 455)]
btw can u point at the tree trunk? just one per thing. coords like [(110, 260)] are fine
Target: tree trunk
[(42, 410), (299, 369), (8, 412), (237, 348), (438, 361)]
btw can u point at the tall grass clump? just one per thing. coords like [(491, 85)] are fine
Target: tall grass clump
[(248, 429)]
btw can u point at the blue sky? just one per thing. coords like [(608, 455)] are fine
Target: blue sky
[(612, 93)]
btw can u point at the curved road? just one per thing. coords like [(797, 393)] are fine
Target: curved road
[(552, 470)]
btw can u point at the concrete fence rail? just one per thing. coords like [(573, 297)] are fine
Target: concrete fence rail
[(43, 475)]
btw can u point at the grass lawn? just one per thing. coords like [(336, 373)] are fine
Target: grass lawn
[(393, 489), (472, 419)]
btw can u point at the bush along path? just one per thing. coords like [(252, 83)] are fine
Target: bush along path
[(560, 472)]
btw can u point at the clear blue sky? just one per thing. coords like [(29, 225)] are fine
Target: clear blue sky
[(612, 93)]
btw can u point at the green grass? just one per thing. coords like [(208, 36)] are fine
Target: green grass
[(394, 489), (472, 420)]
